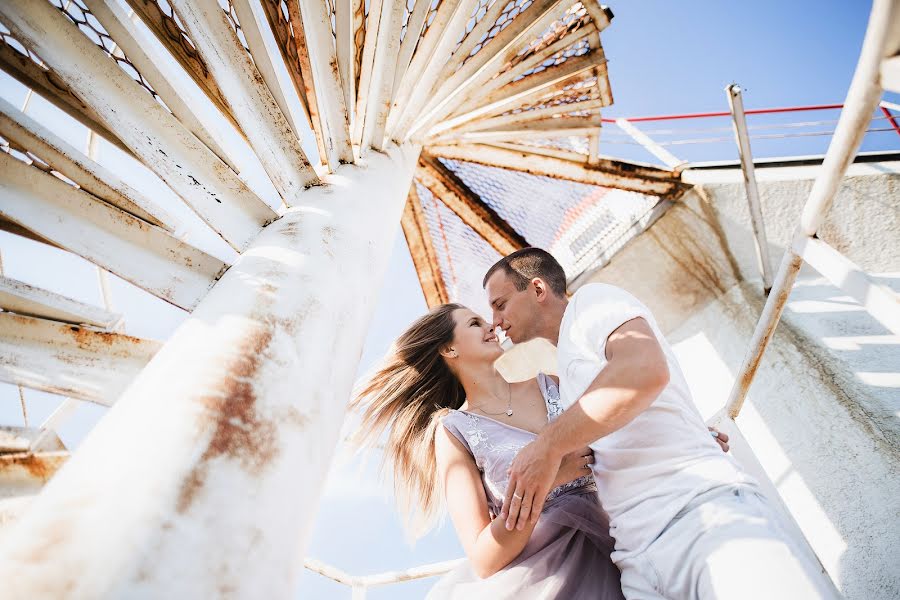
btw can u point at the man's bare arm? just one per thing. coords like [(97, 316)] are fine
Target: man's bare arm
[(636, 373)]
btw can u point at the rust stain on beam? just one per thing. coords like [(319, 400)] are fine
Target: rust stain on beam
[(453, 192), (48, 85), (176, 40), (421, 248), (16, 229), (280, 25), (605, 172), (24, 465)]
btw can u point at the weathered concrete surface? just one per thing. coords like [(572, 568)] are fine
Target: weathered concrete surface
[(822, 413)]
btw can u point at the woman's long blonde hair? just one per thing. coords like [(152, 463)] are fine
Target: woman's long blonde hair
[(407, 396)]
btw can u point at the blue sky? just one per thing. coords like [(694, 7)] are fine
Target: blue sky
[(664, 57)]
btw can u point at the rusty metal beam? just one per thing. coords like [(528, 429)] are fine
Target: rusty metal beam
[(24, 299), (24, 474), (26, 134), (286, 41), (67, 359), (606, 172), (226, 503), (421, 249), (133, 43), (181, 47), (145, 255), (266, 128), (155, 136), (537, 129), (334, 116), (560, 29), (52, 88), (453, 192)]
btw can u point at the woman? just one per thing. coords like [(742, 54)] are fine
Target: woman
[(454, 425)]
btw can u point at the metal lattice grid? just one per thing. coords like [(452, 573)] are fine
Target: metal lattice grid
[(235, 23), (463, 255), (432, 14), (16, 46), (512, 10), (574, 19), (579, 48), (571, 220), (78, 12)]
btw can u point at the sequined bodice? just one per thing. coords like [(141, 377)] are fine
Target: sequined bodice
[(494, 445)]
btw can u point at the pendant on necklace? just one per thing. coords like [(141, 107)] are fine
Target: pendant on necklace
[(508, 412)]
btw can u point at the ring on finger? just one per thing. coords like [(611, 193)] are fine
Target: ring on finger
[(515, 495)]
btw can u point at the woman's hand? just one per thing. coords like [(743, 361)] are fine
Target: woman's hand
[(574, 465), (721, 438)]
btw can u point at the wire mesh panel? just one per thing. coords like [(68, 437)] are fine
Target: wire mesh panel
[(78, 12), (574, 221), (463, 255), (512, 10)]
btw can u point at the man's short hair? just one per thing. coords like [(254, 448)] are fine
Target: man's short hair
[(524, 265)]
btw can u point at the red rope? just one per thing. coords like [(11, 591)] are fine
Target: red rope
[(890, 117), (756, 111)]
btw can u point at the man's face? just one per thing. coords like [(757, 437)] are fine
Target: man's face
[(515, 312)]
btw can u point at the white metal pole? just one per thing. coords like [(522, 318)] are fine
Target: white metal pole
[(736, 103), (651, 146), (862, 98), (19, 387), (204, 478)]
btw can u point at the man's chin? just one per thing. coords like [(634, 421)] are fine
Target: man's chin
[(515, 338)]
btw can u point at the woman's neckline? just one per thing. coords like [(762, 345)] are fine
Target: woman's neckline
[(528, 431)]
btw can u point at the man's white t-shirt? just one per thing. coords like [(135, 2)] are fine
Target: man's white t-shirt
[(650, 469)]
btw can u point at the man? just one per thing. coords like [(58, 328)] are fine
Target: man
[(687, 521)]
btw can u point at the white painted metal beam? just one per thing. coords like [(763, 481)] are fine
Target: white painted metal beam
[(447, 95), (414, 28), (761, 242), (227, 500), (890, 74), (345, 52), (666, 157), (68, 359), (253, 26), (513, 132), (862, 98), (250, 100), (21, 439), (518, 92), (334, 117), (384, 68), (25, 299), (24, 132), (44, 81), (428, 63), (488, 79), (145, 255), (606, 173), (526, 116), (153, 68), (156, 137), (163, 21)]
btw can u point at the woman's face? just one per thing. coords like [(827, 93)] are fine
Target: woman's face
[(473, 338)]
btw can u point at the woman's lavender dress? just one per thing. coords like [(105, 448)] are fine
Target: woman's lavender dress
[(567, 556)]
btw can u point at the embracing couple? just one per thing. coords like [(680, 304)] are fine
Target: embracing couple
[(602, 484)]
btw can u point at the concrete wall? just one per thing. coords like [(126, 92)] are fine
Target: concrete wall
[(822, 415)]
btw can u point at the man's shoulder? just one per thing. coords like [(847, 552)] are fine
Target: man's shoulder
[(599, 292)]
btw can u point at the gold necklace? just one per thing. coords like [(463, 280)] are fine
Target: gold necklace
[(509, 411)]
